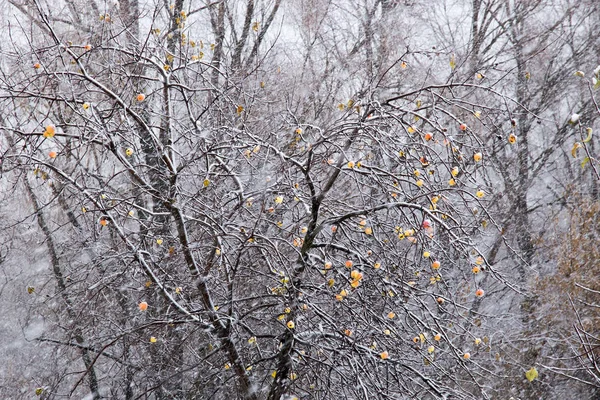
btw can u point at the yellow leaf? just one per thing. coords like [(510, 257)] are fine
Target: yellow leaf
[(239, 110), (576, 146), (531, 374), (585, 161), (589, 135), (452, 62)]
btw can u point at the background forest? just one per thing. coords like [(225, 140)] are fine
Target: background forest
[(307, 199)]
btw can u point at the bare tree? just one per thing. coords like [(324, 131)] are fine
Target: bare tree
[(255, 199)]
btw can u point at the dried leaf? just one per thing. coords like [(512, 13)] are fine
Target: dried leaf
[(531, 374)]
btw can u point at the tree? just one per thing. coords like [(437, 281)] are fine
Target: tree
[(249, 197)]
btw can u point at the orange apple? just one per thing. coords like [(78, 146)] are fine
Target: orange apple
[(435, 265), (479, 293), (140, 97), (143, 306), (50, 131), (356, 275)]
